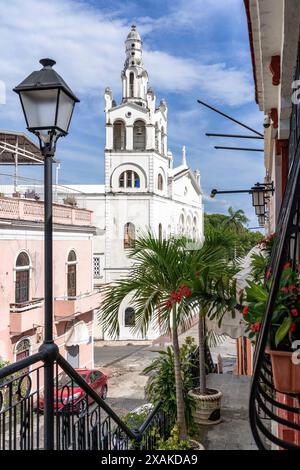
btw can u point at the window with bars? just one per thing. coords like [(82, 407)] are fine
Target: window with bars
[(22, 278), (129, 317), (71, 276), (97, 267), (129, 235)]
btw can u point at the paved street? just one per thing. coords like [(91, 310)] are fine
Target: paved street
[(124, 362)]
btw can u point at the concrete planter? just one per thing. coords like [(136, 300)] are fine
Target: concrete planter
[(196, 445), (208, 407)]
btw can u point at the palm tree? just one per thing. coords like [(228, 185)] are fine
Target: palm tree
[(236, 219), (159, 269)]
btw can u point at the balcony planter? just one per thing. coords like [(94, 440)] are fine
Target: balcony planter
[(208, 406), (286, 373)]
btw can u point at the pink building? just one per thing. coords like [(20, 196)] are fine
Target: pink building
[(22, 281)]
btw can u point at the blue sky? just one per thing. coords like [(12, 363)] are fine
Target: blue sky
[(192, 49)]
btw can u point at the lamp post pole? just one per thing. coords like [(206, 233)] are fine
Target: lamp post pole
[(48, 104), (48, 289)]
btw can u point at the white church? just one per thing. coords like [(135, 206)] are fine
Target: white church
[(142, 187)]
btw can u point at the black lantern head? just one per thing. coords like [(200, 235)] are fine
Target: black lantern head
[(47, 103), (258, 195)]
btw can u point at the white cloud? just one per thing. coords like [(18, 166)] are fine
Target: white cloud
[(89, 49)]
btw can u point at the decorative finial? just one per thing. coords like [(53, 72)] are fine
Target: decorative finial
[(183, 155), (133, 27), (47, 62)]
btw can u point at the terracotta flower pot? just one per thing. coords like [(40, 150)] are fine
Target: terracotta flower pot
[(208, 406), (286, 374)]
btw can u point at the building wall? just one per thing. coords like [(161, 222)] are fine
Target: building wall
[(12, 242)]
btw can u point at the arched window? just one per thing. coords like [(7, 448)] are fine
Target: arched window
[(181, 225), (22, 349), (129, 235), (71, 281), (160, 232), (156, 138), (160, 182), (194, 228), (131, 84), (139, 135), (22, 278), (162, 141), (129, 317), (129, 179), (119, 135)]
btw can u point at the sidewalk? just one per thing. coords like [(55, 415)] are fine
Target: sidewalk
[(234, 432)]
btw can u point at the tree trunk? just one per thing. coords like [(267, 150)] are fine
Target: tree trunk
[(202, 371), (178, 379)]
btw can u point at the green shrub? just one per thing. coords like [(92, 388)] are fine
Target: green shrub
[(161, 384)]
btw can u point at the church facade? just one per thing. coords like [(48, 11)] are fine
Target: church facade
[(143, 189)]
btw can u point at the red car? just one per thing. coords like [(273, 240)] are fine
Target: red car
[(67, 394)]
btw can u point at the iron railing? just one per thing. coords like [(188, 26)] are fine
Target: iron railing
[(275, 416), (87, 423)]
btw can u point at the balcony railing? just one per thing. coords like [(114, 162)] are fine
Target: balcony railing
[(87, 423), (22, 209), (26, 315), (65, 307), (275, 416)]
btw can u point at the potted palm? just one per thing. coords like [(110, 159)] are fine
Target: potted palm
[(285, 325), (214, 295)]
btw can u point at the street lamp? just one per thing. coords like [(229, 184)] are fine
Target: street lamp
[(258, 195), (48, 105)]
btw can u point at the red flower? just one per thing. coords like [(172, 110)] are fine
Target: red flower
[(176, 297), (185, 291), (268, 274), (292, 327), (169, 304), (245, 310), (257, 326), (294, 312), (197, 273), (285, 290), (287, 266), (292, 287)]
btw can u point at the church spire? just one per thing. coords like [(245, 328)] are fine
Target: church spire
[(134, 76)]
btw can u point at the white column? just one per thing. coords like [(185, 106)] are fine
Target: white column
[(109, 136), (129, 137), (150, 137)]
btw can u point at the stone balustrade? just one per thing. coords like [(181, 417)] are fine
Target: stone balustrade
[(24, 209)]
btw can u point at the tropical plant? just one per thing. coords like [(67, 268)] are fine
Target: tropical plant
[(159, 269), (174, 442), (161, 384), (285, 323), (239, 240), (168, 285)]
